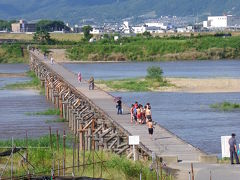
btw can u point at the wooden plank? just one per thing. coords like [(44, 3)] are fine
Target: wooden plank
[(122, 150), (88, 124), (112, 136), (112, 144), (105, 132)]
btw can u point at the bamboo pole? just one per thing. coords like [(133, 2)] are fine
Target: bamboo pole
[(27, 149), (58, 153), (64, 152), (192, 171), (73, 160)]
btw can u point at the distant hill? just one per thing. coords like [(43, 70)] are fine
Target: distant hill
[(103, 10)]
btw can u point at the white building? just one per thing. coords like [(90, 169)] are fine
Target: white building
[(97, 31), (156, 24), (185, 29), (228, 21), (126, 28), (154, 30), (139, 29)]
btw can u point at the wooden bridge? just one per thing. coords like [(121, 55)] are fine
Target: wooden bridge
[(92, 116)]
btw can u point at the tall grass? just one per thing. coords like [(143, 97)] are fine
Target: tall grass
[(156, 48), (14, 53), (47, 112), (42, 158), (34, 83)]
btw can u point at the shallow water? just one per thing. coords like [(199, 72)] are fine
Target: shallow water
[(189, 115), (15, 104), (13, 68), (193, 69)]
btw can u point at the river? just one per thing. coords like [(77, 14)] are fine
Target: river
[(193, 69), (16, 104), (188, 115)]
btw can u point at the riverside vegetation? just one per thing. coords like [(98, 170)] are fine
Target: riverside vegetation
[(226, 106), (153, 81), (140, 48), (148, 48), (34, 83), (43, 152)]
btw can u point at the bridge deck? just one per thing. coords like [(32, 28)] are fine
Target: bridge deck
[(163, 143)]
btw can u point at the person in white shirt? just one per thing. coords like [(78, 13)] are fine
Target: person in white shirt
[(52, 60)]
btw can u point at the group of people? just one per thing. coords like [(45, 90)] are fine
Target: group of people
[(142, 115), (139, 113)]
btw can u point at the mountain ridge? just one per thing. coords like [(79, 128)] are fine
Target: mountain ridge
[(75, 10)]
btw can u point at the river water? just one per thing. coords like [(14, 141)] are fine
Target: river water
[(16, 104), (188, 115), (193, 69)]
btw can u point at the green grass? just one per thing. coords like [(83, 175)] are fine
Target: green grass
[(47, 112), (14, 53), (226, 106), (224, 161), (135, 84), (59, 120), (34, 83), (158, 48), (42, 157)]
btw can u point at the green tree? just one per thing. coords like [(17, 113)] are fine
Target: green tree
[(51, 26), (42, 36), (154, 73), (6, 25), (147, 34), (86, 32)]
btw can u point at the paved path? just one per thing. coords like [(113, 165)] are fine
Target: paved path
[(202, 171)]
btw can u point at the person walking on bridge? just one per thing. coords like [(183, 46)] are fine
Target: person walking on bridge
[(233, 149), (150, 127), (91, 83), (79, 77), (52, 60), (119, 106)]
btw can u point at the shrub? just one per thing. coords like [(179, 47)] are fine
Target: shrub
[(154, 73)]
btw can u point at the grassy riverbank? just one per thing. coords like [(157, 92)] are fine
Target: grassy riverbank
[(139, 48), (41, 157), (14, 53), (152, 82), (226, 106), (34, 83), (158, 48), (56, 36), (134, 84)]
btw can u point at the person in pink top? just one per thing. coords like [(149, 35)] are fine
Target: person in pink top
[(79, 77)]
